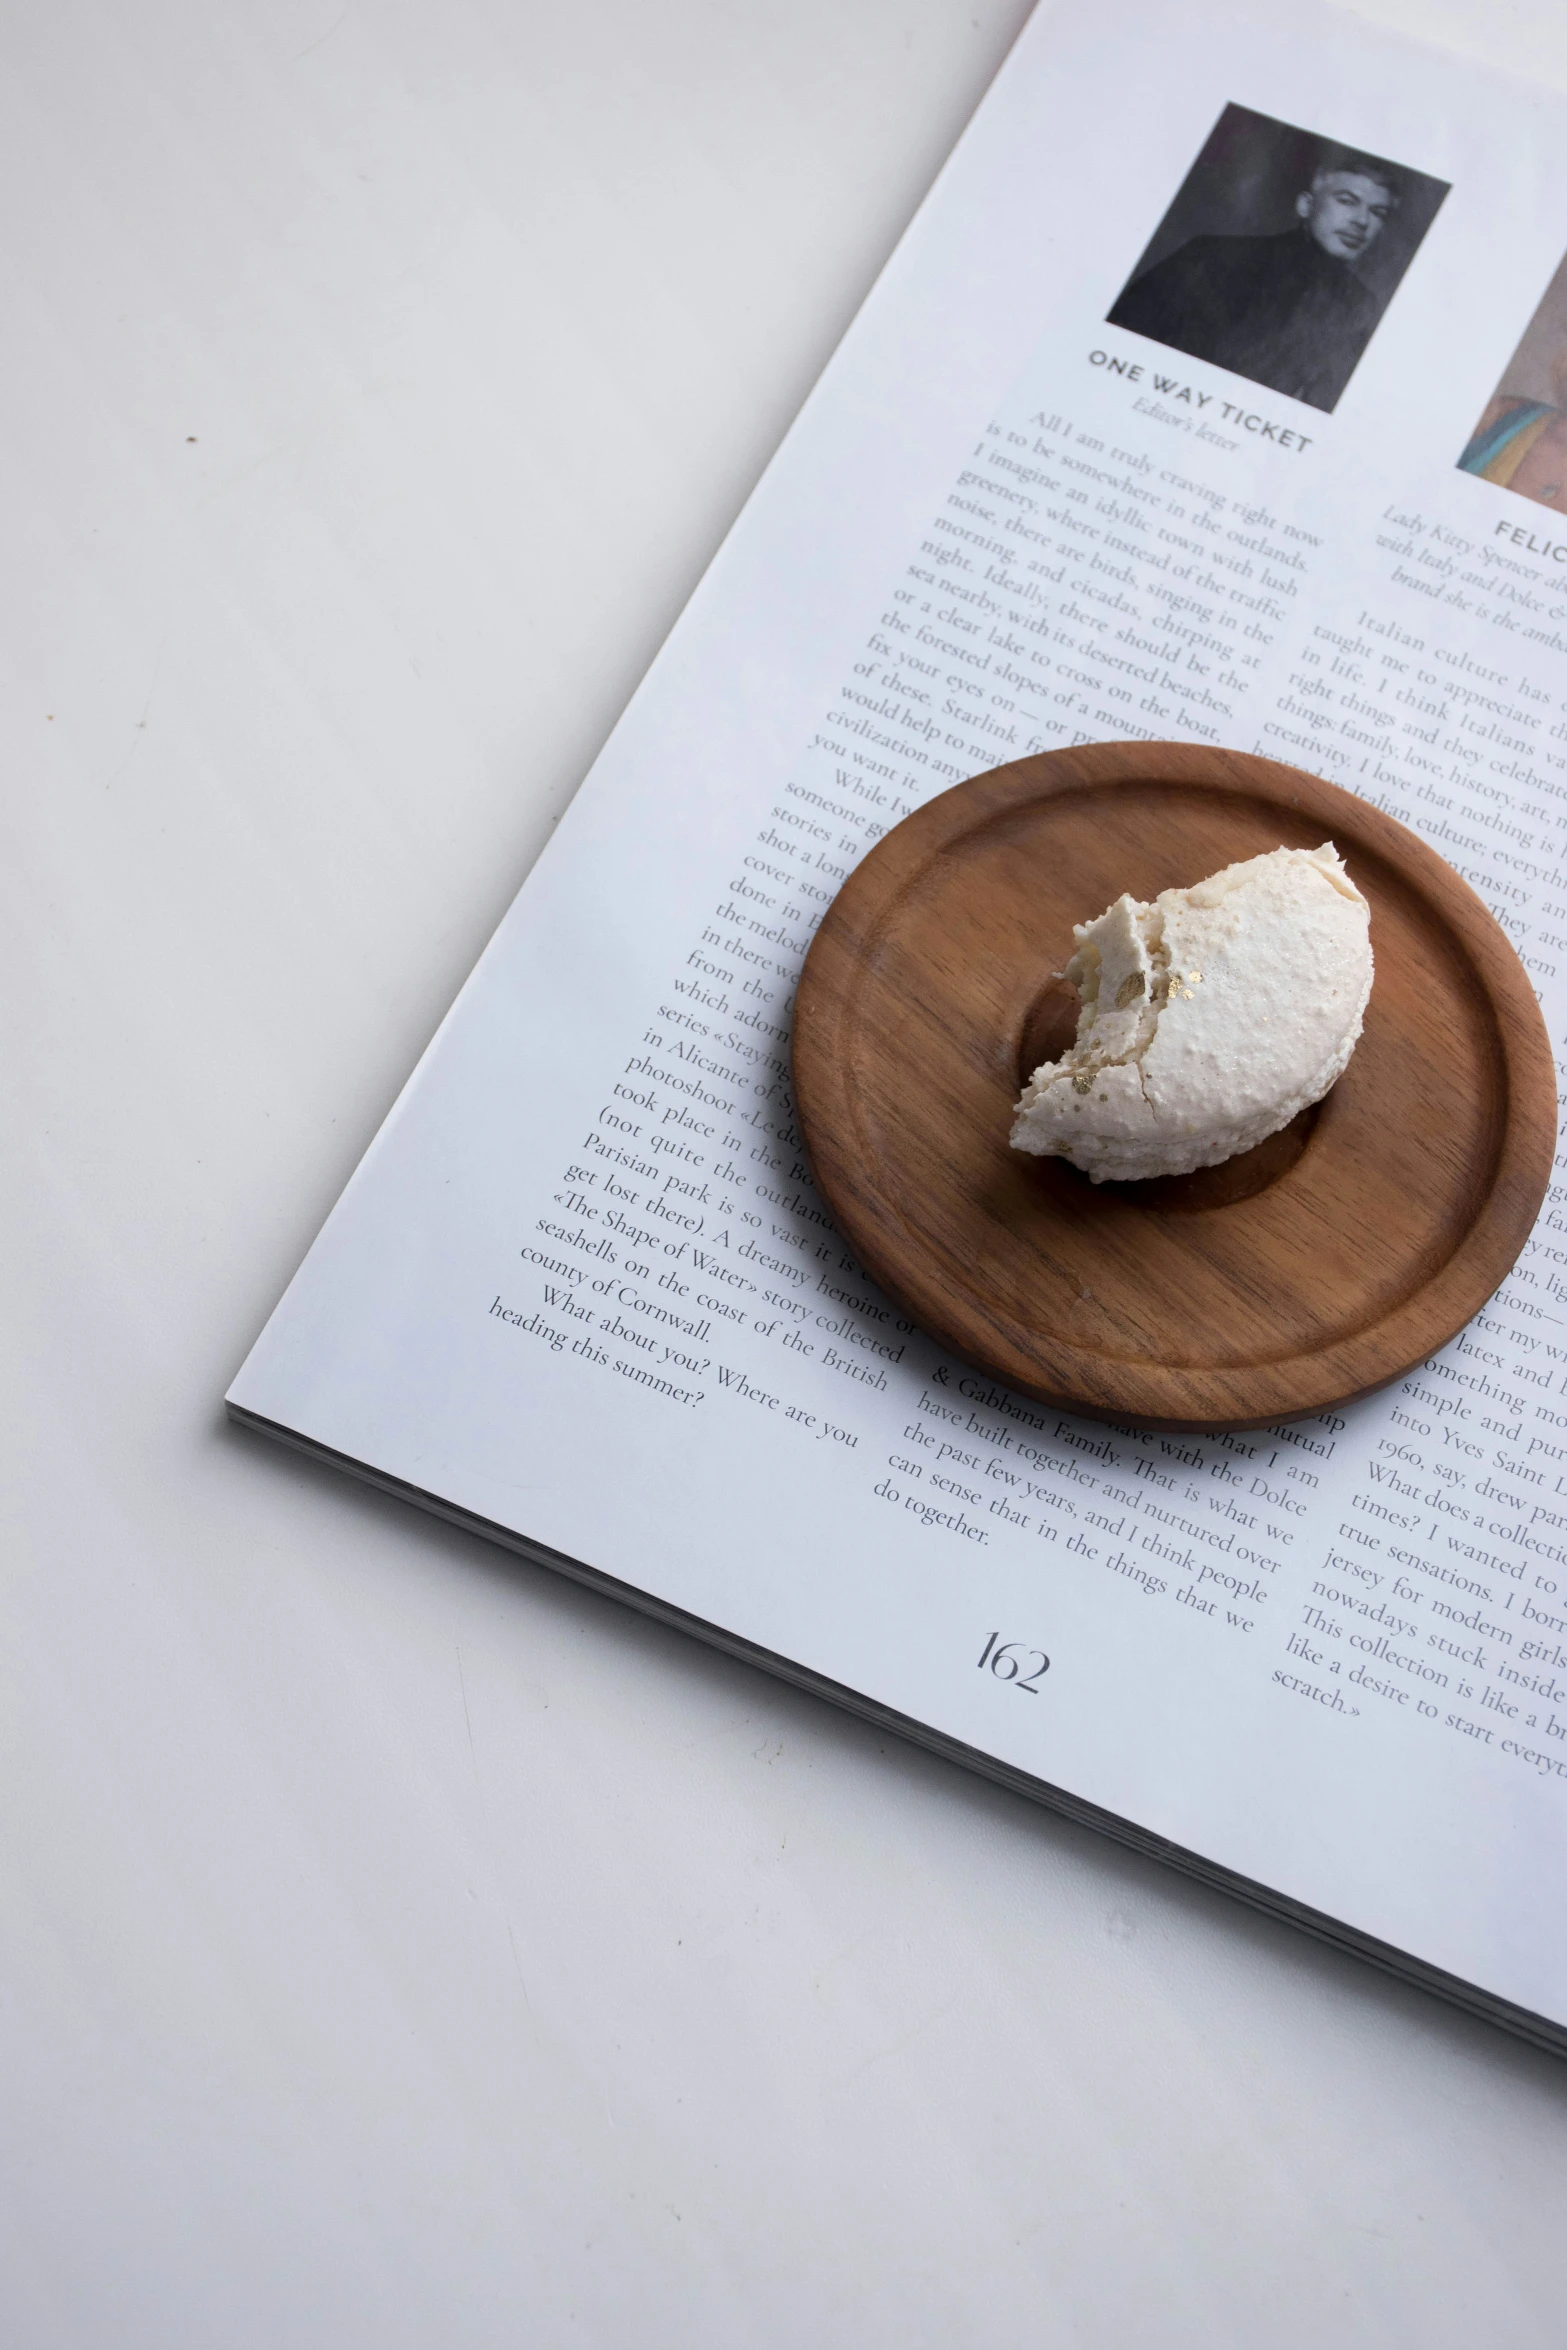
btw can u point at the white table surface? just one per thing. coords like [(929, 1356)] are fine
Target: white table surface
[(401, 1947)]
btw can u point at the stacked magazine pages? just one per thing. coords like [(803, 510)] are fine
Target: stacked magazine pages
[(1218, 392)]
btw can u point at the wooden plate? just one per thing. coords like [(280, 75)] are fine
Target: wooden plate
[(1315, 1268)]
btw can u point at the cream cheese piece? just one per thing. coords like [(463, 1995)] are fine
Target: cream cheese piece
[(1209, 1018)]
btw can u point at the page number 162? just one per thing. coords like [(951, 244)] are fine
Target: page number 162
[(1007, 1659)]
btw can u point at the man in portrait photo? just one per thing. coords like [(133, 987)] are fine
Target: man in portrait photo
[(1289, 302)]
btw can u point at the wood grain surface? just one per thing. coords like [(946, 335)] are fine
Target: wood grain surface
[(1323, 1264)]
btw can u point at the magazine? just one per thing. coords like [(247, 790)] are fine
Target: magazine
[(1218, 393)]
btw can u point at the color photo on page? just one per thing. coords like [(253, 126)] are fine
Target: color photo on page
[(1520, 443), (1279, 255)]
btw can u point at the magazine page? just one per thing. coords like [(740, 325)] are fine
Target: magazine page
[(1218, 393)]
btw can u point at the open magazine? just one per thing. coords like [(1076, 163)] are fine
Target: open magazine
[(1217, 392)]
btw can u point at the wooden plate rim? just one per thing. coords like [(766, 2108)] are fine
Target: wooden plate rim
[(1157, 1395)]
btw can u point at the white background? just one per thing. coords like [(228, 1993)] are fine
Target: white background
[(399, 1946)]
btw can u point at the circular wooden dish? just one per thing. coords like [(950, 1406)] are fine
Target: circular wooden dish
[(1319, 1266)]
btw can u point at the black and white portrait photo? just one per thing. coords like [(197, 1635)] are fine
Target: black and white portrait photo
[(1279, 256)]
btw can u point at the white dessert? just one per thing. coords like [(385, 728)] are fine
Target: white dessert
[(1210, 1017)]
